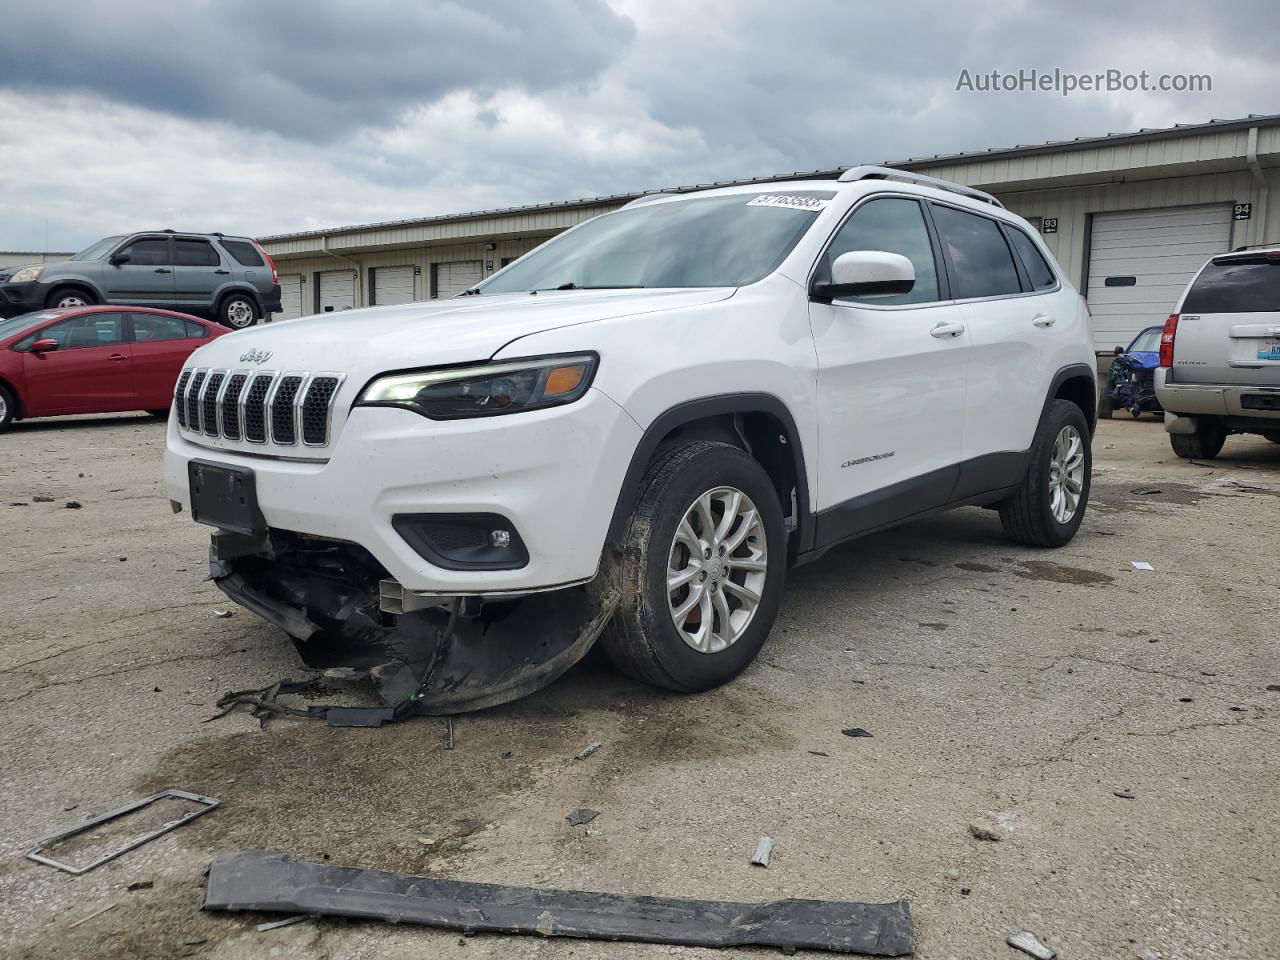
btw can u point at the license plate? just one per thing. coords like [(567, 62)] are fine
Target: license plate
[(225, 497), (1269, 350)]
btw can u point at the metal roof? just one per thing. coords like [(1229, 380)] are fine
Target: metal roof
[(831, 173)]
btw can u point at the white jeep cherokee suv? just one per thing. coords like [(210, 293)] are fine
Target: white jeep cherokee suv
[(632, 432)]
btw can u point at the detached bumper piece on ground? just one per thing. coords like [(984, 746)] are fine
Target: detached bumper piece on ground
[(277, 882), (326, 596)]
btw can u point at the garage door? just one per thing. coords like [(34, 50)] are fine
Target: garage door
[(337, 290), (452, 278), (1140, 261), (392, 285), (290, 297)]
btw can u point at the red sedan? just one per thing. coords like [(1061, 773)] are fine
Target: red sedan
[(94, 360)]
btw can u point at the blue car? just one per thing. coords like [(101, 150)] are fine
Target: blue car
[(1130, 383)]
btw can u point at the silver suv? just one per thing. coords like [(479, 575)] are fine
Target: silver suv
[(230, 279), (1220, 354)]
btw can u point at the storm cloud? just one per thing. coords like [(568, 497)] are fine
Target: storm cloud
[(266, 117)]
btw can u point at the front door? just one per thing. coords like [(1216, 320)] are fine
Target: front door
[(90, 372), (892, 381), (145, 278)]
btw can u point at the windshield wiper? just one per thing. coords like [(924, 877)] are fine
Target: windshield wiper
[(603, 286)]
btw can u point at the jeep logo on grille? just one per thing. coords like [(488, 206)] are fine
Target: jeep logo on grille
[(255, 356)]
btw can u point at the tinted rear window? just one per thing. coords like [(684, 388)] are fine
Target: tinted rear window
[(196, 253), (1236, 288), (1038, 268), (246, 253), (982, 260)]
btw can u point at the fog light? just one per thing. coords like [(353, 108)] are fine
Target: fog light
[(500, 538)]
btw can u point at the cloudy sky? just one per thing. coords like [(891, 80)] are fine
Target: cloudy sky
[(265, 117)]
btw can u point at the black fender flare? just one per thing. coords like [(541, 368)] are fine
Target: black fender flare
[(701, 409), (1075, 371)]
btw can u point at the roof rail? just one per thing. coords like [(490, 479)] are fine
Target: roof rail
[(868, 172)]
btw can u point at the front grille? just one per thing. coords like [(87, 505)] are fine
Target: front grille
[(255, 406), (231, 406), (284, 418), (193, 400), (180, 392), (209, 406)]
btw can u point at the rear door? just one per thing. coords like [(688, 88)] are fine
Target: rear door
[(1229, 323), (90, 371), (146, 277), (161, 345), (198, 270)]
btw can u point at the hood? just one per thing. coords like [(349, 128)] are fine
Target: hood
[(363, 343), (1140, 360)]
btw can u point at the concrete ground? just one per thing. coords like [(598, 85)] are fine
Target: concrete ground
[(1113, 726)]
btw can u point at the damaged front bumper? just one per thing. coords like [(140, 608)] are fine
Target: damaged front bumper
[(458, 655)]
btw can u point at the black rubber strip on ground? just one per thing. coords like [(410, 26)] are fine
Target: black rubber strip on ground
[(278, 882)]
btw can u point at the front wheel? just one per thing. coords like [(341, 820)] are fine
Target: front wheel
[(69, 297), (1049, 506), (700, 569), (238, 311)]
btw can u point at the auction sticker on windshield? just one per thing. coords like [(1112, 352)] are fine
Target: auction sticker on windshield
[(790, 201)]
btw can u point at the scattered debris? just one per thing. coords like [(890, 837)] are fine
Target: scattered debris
[(74, 504), (41, 498), (1125, 794), (952, 874), (96, 913), (286, 922), (18, 503), (1185, 700), (195, 941), (762, 852), (580, 816), (208, 803), (856, 732), (140, 885), (819, 753), (448, 733), (986, 830), (222, 614), (965, 891), (589, 749), (276, 882), (1146, 953), (1141, 565), (1273, 687), (1146, 491), (1027, 943)]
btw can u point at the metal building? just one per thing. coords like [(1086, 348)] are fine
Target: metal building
[(1129, 216)]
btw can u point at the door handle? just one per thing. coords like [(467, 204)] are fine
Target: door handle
[(117, 356), (163, 270), (222, 271), (1043, 320), (944, 330)]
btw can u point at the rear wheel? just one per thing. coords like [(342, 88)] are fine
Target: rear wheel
[(238, 311), (1273, 437), (159, 414), (70, 297), (1106, 405), (1049, 507), (8, 408), (1205, 444), (700, 569)]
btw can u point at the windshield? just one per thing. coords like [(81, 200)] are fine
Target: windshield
[(25, 322), (1148, 341), (726, 241), (97, 251)]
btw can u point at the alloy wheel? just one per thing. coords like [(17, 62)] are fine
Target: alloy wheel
[(716, 569), (1066, 474), (239, 314), (71, 300)]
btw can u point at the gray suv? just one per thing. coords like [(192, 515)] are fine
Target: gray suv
[(230, 279)]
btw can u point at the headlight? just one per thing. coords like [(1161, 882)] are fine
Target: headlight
[(26, 275), (485, 390)]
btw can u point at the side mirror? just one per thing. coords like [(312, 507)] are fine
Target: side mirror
[(862, 273), (44, 345), (1119, 350), (118, 258)]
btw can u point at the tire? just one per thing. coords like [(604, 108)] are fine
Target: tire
[(642, 640), (1205, 444), (70, 297), (8, 408), (1106, 406), (238, 311), (1034, 515), (1273, 437), (159, 414)]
